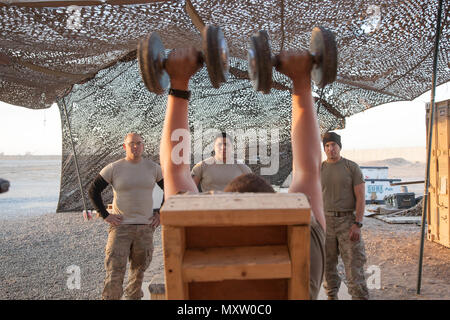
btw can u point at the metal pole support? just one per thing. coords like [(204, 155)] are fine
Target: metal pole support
[(75, 156), (430, 139)]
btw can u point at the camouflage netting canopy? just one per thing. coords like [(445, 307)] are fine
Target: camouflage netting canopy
[(82, 55)]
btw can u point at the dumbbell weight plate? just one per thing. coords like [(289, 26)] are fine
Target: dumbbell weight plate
[(216, 56), (260, 63), (151, 56), (323, 48)]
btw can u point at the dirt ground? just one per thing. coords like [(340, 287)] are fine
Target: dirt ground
[(392, 248), (395, 249)]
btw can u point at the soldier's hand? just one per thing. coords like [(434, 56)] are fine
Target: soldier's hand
[(181, 64), (297, 65), (155, 218), (114, 219), (354, 233)]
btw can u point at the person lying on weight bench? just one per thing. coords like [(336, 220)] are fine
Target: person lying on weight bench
[(306, 148)]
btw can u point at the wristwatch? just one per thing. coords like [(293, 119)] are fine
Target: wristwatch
[(359, 224), (180, 93)]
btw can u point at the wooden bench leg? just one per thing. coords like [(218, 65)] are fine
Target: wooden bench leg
[(174, 243), (298, 243), (157, 287)]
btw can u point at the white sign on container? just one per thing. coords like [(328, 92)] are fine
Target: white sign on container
[(375, 172), (377, 189)]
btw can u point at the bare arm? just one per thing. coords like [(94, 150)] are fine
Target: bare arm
[(360, 195), (175, 155), (359, 190), (305, 136)]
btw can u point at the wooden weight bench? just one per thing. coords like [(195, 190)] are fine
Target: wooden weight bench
[(236, 246)]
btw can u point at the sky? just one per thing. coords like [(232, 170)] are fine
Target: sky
[(392, 125)]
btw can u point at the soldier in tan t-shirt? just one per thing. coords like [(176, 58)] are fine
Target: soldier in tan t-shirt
[(214, 173), (133, 185), (344, 200), (133, 219)]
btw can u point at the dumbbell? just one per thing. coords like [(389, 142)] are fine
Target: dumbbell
[(152, 59), (322, 49)]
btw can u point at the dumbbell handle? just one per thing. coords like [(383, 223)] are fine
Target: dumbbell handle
[(276, 59), (200, 59)]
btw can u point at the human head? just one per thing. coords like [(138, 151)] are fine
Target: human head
[(249, 182), (332, 146), (133, 146), (223, 147)]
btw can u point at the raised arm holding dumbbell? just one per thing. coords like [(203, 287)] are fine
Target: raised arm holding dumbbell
[(181, 65), (318, 63), (305, 134), (157, 71)]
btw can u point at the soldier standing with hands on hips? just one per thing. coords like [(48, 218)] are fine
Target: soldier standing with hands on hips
[(133, 219)]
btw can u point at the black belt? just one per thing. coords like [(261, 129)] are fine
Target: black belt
[(338, 213)]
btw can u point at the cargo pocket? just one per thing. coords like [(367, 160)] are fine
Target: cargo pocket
[(116, 251), (116, 259)]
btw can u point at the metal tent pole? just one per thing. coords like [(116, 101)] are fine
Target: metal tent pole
[(75, 156), (430, 139)]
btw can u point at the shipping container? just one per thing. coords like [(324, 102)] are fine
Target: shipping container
[(438, 193)]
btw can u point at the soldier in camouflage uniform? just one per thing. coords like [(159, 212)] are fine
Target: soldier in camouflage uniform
[(343, 192), (132, 220)]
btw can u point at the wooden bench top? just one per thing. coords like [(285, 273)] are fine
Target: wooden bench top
[(228, 209)]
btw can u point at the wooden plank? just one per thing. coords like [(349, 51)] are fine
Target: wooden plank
[(270, 289), (400, 219), (209, 237), (173, 250), (236, 209), (236, 218), (299, 246), (251, 201), (254, 262)]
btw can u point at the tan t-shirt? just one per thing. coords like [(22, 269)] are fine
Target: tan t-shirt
[(215, 176), (133, 185), (338, 180)]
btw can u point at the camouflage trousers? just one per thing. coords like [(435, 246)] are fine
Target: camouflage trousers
[(352, 253), (133, 242)]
